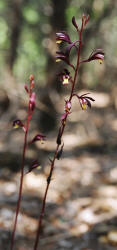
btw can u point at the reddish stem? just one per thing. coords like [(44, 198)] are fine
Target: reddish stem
[(57, 148), (22, 174)]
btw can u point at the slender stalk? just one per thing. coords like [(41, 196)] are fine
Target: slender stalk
[(22, 173), (57, 148)]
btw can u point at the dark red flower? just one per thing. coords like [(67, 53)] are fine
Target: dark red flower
[(18, 124), (64, 56), (34, 165), (97, 54), (65, 77), (38, 137), (84, 100), (62, 36)]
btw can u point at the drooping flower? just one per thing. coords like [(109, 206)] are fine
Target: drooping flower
[(38, 137), (61, 56), (62, 36), (18, 124), (34, 165), (97, 54), (84, 100), (64, 56)]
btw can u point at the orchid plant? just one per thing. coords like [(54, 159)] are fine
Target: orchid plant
[(39, 137), (66, 77)]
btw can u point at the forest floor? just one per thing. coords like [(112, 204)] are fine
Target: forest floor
[(81, 209)]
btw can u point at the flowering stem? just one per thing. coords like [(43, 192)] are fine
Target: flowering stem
[(58, 145), (22, 173)]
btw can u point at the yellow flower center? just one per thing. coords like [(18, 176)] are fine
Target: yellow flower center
[(100, 61), (58, 41), (16, 126), (58, 60), (65, 81), (84, 106)]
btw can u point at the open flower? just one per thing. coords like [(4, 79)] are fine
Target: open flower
[(85, 101), (34, 165), (62, 36), (38, 137), (65, 77), (61, 56), (65, 56), (97, 54), (18, 124)]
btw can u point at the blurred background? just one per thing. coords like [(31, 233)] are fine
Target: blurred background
[(81, 211)]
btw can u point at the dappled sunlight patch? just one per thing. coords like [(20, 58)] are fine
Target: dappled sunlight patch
[(114, 125), (34, 183), (102, 99), (107, 191), (8, 188)]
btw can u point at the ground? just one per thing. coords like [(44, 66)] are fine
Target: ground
[(81, 209)]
